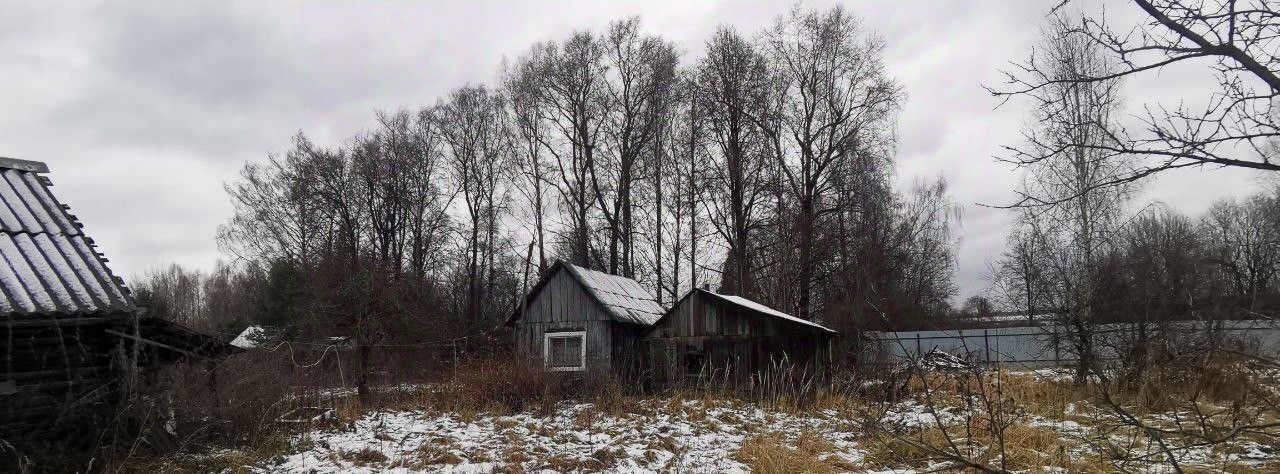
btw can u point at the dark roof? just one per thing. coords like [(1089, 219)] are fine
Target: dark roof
[(623, 298), (748, 306), (170, 341), (47, 264), (755, 307)]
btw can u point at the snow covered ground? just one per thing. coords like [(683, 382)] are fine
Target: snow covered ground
[(716, 435), (682, 436)]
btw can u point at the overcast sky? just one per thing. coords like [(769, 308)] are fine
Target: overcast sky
[(143, 110)]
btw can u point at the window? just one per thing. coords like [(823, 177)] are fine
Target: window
[(565, 351), (695, 363)]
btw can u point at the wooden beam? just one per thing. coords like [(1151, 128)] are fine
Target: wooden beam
[(155, 343), (54, 373), (55, 322)]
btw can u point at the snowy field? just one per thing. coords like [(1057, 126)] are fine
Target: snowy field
[(716, 435), (686, 436)]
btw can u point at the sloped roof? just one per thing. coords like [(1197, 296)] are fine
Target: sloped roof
[(47, 264), (623, 298), (247, 339), (765, 310)]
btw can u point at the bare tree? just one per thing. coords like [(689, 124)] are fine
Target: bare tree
[(833, 102), (1075, 215), (474, 125), (682, 195), (1238, 123), (573, 86), (1243, 238), (523, 86), (275, 213), (733, 83), (639, 76), (1020, 275)]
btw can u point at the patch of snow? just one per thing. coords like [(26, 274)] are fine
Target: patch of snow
[(687, 437), (939, 360), (248, 338)]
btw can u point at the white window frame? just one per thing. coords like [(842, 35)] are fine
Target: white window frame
[(546, 350)]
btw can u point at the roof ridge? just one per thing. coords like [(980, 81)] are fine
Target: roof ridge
[(23, 165), (751, 304)]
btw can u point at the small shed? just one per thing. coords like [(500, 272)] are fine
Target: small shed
[(707, 334), (68, 326), (575, 319)]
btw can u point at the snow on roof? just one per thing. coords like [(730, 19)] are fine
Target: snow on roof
[(623, 297), (757, 307), (248, 338), (47, 264)]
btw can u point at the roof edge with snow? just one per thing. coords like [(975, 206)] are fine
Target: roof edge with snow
[(621, 297), (749, 305)]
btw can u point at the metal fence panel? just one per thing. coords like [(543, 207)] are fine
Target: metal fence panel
[(1044, 345)]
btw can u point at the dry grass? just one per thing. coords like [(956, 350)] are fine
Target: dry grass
[(568, 463), (769, 454), (435, 453), (1036, 395), (1027, 447), (482, 389), (230, 461), (884, 450), (364, 457), (1024, 447)]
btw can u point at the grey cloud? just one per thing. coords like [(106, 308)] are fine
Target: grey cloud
[(144, 109)]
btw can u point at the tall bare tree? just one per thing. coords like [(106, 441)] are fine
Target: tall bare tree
[(639, 77), (733, 83), (833, 102), (1238, 123), (474, 125), (576, 100), (523, 86), (1076, 215)]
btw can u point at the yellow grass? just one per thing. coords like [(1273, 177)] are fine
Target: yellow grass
[(768, 454)]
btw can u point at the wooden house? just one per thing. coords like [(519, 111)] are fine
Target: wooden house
[(70, 332), (729, 337), (575, 319)]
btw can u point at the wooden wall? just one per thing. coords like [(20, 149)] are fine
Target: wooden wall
[(51, 362), (703, 338), (563, 305)]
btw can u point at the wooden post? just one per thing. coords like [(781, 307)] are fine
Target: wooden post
[(213, 387), (986, 345), (524, 292), (1057, 358)]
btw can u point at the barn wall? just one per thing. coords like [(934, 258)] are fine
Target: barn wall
[(49, 365), (563, 305), (703, 338)]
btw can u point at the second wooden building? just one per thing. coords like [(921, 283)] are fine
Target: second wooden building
[(709, 335)]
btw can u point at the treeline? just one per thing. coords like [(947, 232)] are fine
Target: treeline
[(762, 169), (1080, 251), (1159, 266)]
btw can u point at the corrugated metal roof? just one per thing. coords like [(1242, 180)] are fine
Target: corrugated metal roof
[(47, 264), (759, 308), (625, 298)]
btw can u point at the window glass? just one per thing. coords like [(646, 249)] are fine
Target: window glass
[(564, 351)]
